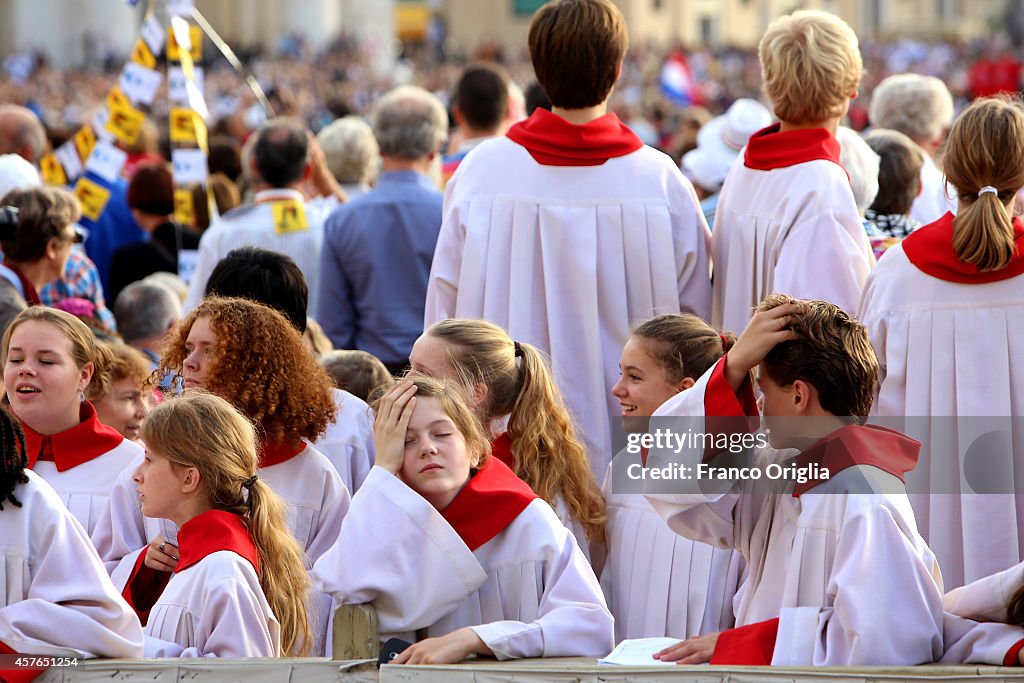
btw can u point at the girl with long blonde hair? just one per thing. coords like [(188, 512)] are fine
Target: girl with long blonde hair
[(512, 379), (251, 356), (239, 588)]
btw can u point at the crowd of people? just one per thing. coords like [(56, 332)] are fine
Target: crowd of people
[(403, 352)]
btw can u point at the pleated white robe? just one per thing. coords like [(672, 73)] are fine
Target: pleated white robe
[(793, 229), (658, 583), (847, 575), (55, 597), (948, 351), (527, 592), (568, 259)]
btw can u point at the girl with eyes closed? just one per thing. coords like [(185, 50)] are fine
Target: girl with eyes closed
[(506, 578), (53, 368)]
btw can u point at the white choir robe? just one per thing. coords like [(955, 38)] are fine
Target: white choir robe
[(315, 496), (658, 583), (846, 574), (948, 350), (83, 486), (348, 441), (568, 258), (213, 609), (975, 628), (55, 597), (792, 229), (527, 592), (212, 605)]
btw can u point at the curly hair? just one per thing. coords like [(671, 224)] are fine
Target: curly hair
[(260, 364)]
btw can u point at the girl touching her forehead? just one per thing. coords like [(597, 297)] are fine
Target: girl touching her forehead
[(507, 578)]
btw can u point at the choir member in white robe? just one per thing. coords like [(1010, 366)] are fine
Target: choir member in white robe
[(51, 363), (565, 235), (514, 392), (944, 314), (787, 222), (658, 583), (838, 574), (232, 549), (55, 597), (501, 575), (306, 481)]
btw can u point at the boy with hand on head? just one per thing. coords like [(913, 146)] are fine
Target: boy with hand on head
[(834, 578), (787, 220)]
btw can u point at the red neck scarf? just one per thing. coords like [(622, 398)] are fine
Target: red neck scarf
[(553, 141), (213, 531), (488, 503), (203, 535), (501, 448), (769, 148), (887, 449), (31, 295), (87, 440), (277, 453), (930, 249)]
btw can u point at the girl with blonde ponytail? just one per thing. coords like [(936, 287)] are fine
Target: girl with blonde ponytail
[(512, 379), (649, 564), (945, 313), (240, 587)]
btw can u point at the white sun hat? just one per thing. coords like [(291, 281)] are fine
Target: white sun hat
[(720, 140)]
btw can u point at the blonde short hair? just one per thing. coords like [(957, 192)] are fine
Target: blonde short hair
[(810, 66)]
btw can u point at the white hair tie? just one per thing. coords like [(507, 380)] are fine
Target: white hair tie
[(987, 189)]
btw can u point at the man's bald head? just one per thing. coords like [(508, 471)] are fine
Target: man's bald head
[(21, 133)]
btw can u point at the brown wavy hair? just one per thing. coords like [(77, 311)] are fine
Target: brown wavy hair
[(204, 431), (260, 364), (548, 454)]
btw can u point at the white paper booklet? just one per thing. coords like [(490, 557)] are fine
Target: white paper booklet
[(639, 652)]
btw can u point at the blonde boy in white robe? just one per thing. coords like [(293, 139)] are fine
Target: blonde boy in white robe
[(787, 220)]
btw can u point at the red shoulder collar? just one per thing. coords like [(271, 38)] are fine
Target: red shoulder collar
[(769, 148), (277, 453), (930, 249), (212, 531), (553, 141), (488, 503), (87, 440), (881, 447), (501, 448)]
